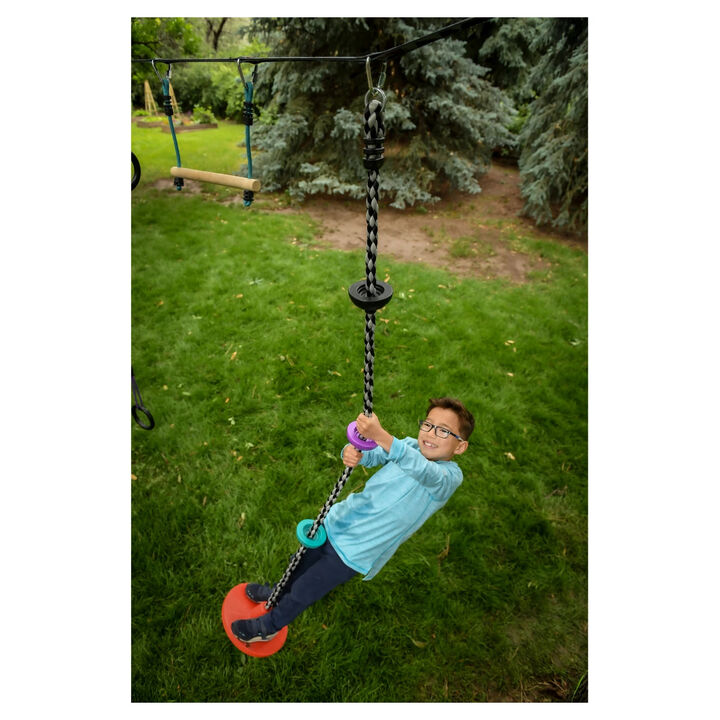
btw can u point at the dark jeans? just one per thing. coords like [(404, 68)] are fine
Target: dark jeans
[(319, 571)]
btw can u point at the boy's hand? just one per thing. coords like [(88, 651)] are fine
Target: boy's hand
[(370, 428), (351, 456)]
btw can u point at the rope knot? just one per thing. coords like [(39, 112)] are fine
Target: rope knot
[(374, 136)]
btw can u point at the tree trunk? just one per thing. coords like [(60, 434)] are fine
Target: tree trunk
[(213, 32)]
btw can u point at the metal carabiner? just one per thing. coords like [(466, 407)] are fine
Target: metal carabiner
[(152, 62), (375, 90), (381, 79), (242, 76), (371, 87)]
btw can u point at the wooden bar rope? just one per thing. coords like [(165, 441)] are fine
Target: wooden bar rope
[(217, 178)]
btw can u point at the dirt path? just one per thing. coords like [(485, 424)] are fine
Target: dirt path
[(470, 235)]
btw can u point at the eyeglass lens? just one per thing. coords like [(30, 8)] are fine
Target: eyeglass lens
[(440, 432)]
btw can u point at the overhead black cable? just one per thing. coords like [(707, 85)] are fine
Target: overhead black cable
[(380, 55)]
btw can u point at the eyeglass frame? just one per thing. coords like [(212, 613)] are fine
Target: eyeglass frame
[(435, 428)]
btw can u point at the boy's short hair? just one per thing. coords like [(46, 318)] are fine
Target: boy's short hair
[(465, 418)]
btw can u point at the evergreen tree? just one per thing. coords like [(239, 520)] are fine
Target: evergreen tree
[(554, 140), (443, 118), (507, 47)]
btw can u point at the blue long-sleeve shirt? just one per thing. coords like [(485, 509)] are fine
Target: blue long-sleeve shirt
[(368, 527)]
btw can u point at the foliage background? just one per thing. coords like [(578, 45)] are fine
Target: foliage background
[(513, 88)]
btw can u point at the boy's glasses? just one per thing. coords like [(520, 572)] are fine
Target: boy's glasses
[(440, 432)]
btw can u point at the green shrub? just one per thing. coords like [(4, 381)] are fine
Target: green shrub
[(202, 115)]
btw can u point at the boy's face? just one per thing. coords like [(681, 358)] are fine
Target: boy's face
[(435, 448)]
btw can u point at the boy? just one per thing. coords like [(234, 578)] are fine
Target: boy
[(364, 530)]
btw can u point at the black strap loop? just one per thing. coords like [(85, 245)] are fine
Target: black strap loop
[(139, 407), (136, 171), (250, 110), (150, 420), (167, 105)]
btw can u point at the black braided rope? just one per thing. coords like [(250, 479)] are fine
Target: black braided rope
[(371, 221), (374, 138), (294, 562), (369, 371), (374, 149)]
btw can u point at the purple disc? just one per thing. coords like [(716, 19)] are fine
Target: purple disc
[(356, 440)]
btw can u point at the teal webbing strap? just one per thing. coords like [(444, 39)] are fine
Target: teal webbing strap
[(166, 92), (247, 201)]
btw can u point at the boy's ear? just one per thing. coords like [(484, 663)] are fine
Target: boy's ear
[(461, 448)]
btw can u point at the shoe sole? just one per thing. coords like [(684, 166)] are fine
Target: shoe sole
[(257, 639)]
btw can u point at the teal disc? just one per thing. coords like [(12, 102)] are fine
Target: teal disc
[(302, 534)]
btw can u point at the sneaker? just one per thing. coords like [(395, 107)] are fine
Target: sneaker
[(258, 593), (250, 631)]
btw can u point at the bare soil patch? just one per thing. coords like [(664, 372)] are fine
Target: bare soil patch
[(189, 186), (469, 235)]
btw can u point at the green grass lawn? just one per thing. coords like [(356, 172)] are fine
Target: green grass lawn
[(249, 355)]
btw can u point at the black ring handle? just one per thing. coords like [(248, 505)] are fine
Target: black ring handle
[(136, 171), (370, 303), (147, 414)]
